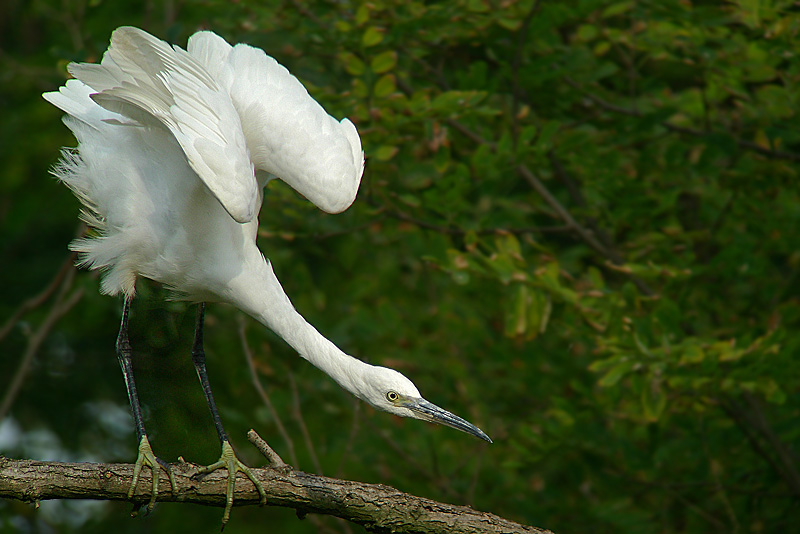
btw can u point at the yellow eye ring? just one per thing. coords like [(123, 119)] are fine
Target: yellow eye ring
[(392, 396)]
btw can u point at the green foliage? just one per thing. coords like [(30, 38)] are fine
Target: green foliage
[(578, 227)]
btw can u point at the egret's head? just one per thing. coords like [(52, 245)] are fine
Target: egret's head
[(390, 391)]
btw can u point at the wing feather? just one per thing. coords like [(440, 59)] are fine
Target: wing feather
[(288, 134), (231, 109), (140, 73)]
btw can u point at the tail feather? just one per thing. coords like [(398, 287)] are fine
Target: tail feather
[(103, 250)]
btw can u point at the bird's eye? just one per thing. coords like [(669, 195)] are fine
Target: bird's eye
[(392, 396)]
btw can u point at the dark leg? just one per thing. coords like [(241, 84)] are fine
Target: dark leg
[(199, 360), (228, 458), (145, 456), (124, 356)]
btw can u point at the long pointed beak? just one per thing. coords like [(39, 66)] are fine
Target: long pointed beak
[(428, 411)]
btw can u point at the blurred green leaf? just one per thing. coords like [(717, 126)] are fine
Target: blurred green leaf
[(615, 373), (383, 62), (385, 153), (372, 36), (353, 64), (385, 86)]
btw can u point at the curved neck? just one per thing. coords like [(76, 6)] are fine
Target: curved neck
[(261, 296)]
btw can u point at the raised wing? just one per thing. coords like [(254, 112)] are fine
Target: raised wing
[(141, 76), (288, 133)]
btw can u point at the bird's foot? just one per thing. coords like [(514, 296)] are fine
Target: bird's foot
[(147, 458), (229, 461)]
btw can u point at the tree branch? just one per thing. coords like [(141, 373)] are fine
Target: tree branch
[(752, 422), (602, 237), (376, 507), (60, 307), (523, 170), (749, 145), (451, 230), (41, 298)]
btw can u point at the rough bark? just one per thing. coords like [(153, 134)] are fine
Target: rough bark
[(377, 507)]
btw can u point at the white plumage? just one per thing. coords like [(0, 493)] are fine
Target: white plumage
[(174, 150), (230, 109)]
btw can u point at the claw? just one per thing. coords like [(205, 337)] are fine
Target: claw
[(229, 461), (147, 458)]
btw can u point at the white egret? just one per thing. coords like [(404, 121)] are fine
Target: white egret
[(174, 150)]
